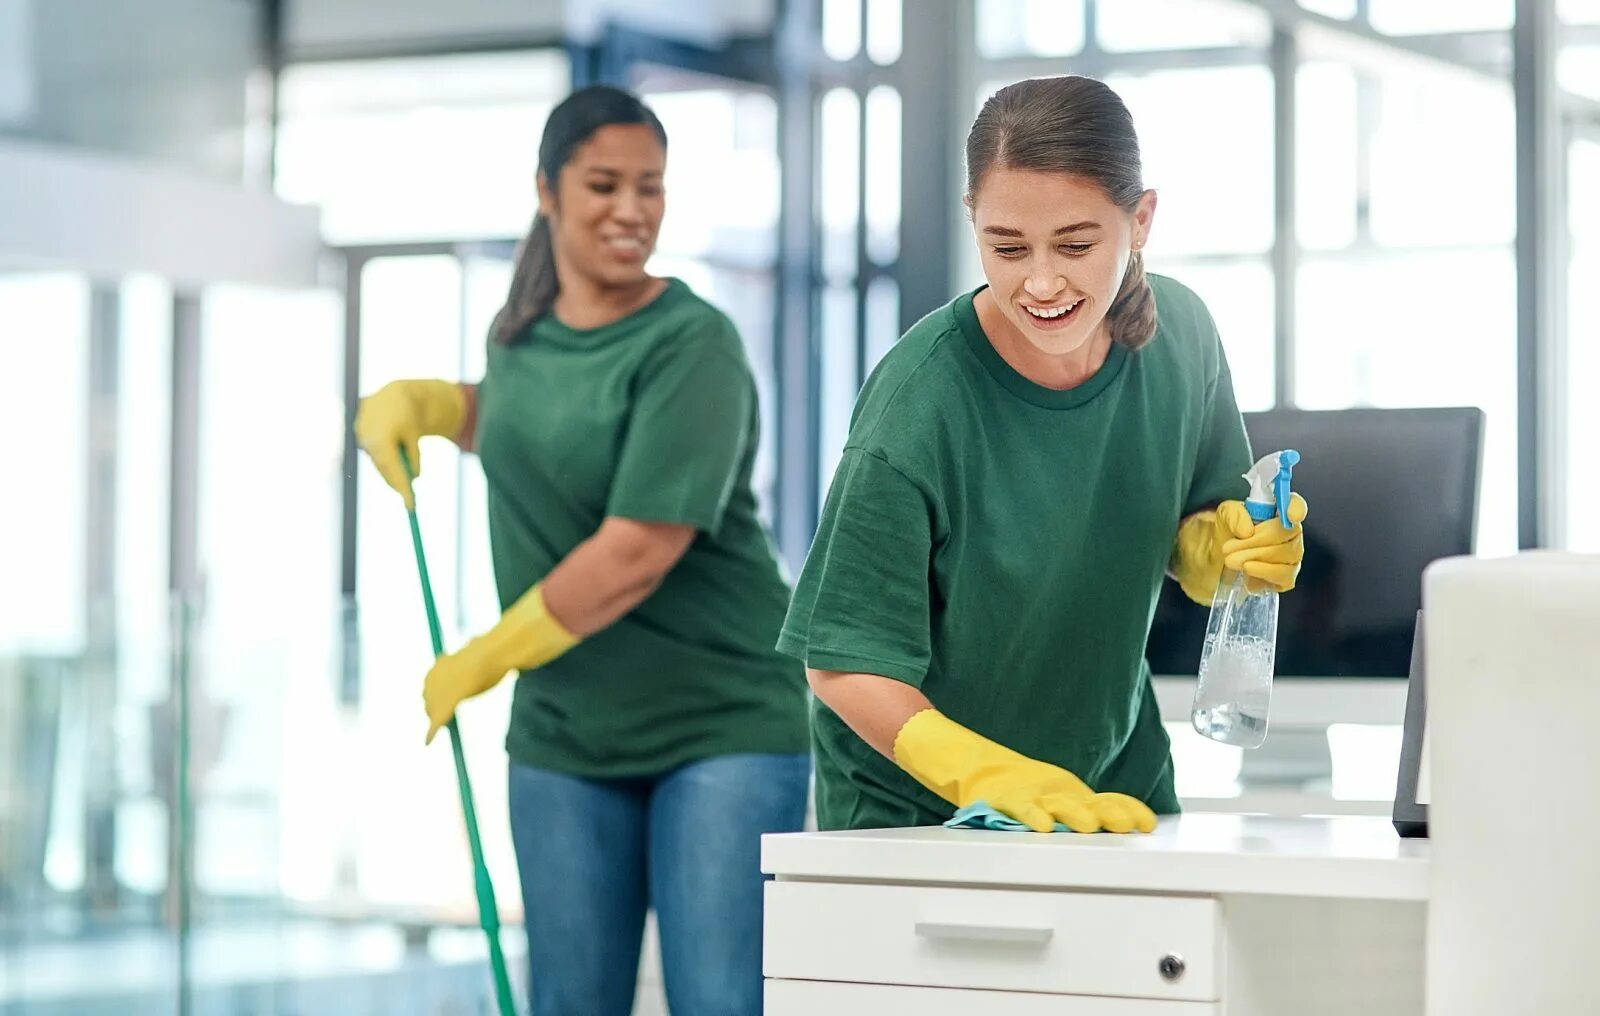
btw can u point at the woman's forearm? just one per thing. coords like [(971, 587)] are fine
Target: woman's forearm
[(612, 572), (873, 706)]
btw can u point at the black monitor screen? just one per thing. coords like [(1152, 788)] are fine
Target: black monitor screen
[(1389, 491)]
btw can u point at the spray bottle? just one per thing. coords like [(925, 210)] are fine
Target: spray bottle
[(1231, 701)]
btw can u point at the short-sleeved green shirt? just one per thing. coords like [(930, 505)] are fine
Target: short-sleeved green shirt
[(653, 418), (1001, 546)]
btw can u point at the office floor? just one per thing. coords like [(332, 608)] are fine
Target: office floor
[(301, 966)]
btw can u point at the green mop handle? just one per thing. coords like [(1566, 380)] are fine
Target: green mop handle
[(488, 910)]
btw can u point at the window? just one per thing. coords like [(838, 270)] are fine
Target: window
[(271, 450), (1409, 17), (1029, 27), (1327, 158), (44, 390), (1130, 25), (1212, 169), (418, 148), (1415, 329), (841, 28), (1443, 161), (883, 31)]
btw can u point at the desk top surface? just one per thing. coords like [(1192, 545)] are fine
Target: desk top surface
[(1351, 857)]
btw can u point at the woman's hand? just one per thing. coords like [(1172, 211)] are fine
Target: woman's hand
[(396, 416), (964, 767), (1210, 542)]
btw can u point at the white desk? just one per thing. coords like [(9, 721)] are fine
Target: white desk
[(1210, 915)]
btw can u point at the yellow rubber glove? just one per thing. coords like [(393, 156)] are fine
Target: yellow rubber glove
[(527, 636), (1211, 541), (397, 415), (962, 766)]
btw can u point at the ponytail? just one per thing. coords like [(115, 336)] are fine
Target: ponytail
[(1132, 317), (534, 285)]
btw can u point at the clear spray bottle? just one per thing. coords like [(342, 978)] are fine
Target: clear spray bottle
[(1235, 689)]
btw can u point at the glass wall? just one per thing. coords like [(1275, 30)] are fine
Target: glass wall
[(859, 166), (427, 148)]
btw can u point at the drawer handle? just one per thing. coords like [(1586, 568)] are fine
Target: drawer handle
[(984, 933)]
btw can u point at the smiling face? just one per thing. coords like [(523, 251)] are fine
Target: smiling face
[(1054, 248), (607, 211)]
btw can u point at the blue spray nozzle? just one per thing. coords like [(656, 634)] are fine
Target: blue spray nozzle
[(1287, 460)]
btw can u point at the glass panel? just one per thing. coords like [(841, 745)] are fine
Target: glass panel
[(1578, 70), (1129, 25), (1239, 297), (144, 462), (1579, 12), (719, 139), (143, 606), (1220, 204), (841, 28), (840, 381), (411, 317), (261, 701), (883, 318), (840, 169), (1583, 347), (49, 762), (417, 148), (883, 31), (44, 372), (1411, 17), (1394, 331), (1458, 135), (1325, 158), (883, 174), (1029, 27)]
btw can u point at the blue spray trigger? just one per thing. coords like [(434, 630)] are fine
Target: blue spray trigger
[(1287, 460)]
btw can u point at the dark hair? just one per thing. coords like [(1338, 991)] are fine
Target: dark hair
[(533, 282), (1073, 125)]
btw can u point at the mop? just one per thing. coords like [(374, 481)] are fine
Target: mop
[(488, 910)]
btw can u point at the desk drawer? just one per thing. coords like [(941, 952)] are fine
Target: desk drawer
[(1049, 942), (808, 998)]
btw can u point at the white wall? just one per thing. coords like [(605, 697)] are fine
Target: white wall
[(108, 217), (369, 25)]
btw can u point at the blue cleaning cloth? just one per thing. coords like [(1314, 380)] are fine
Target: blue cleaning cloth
[(979, 815)]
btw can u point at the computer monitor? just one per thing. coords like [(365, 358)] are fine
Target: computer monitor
[(1390, 490)]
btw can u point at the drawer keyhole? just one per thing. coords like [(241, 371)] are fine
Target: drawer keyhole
[(1172, 967)]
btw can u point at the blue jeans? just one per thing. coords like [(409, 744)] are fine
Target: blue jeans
[(596, 854)]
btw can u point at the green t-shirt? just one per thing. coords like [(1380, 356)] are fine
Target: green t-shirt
[(653, 418), (1001, 546)]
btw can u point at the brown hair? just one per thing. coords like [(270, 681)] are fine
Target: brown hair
[(534, 284), (1075, 125)]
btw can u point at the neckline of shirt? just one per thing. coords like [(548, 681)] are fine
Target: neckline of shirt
[(966, 322), (669, 295)]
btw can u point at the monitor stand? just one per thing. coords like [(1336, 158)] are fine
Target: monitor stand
[(1290, 758)]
